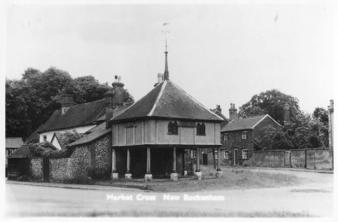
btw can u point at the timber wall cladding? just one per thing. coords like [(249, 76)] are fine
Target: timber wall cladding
[(36, 169)]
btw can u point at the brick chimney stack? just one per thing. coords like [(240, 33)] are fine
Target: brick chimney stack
[(119, 92), (66, 102), (286, 118), (233, 112), (114, 97), (108, 96)]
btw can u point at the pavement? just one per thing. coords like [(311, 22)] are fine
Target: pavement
[(312, 198)]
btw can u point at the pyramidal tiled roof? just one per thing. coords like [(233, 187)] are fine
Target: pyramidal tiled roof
[(167, 100)]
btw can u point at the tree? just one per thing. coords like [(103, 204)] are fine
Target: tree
[(270, 102), (303, 130), (31, 100), (299, 134)]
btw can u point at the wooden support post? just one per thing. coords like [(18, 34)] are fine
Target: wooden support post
[(174, 160), (174, 175), (114, 173), (113, 159), (198, 160), (148, 161), (128, 161), (198, 172), (128, 174), (218, 159), (214, 157)]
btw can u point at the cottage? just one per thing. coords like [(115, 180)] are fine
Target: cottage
[(239, 135), (80, 118), (151, 138)]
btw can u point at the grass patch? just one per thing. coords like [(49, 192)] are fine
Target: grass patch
[(231, 179)]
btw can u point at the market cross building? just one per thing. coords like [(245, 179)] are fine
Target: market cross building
[(159, 136), (151, 137)]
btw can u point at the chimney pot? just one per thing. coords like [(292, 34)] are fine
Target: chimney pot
[(233, 112), (286, 114)]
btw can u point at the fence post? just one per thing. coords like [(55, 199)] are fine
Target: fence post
[(284, 158), (305, 152), (314, 158), (290, 158)]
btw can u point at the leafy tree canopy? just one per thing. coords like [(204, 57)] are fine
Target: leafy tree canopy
[(31, 100), (270, 102), (303, 130)]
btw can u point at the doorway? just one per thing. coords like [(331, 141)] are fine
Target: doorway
[(235, 157)]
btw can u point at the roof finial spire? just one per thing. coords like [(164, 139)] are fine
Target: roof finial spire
[(166, 71)]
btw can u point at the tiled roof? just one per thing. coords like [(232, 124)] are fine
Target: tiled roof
[(242, 124), (94, 133), (77, 115), (167, 100), (100, 129), (14, 142)]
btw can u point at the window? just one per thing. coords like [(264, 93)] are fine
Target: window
[(225, 138), (244, 135), (244, 154), (172, 128), (200, 129), (226, 155), (44, 138), (193, 154)]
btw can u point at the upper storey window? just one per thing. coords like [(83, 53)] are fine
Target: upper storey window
[(200, 129), (244, 135), (172, 128)]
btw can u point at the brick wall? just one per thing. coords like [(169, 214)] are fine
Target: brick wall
[(36, 169)]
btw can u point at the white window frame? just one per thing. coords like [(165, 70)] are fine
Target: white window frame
[(226, 155), (246, 156), (244, 135)]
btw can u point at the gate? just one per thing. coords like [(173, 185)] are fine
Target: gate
[(45, 168)]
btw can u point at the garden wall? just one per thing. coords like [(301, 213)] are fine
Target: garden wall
[(72, 169), (103, 157), (302, 158), (90, 160), (36, 169)]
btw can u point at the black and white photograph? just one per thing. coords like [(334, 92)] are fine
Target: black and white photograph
[(155, 109)]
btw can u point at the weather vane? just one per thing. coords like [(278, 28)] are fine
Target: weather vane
[(166, 32)]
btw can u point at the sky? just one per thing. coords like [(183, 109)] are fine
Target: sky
[(220, 54)]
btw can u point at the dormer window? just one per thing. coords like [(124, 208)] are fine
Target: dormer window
[(172, 128), (200, 129)]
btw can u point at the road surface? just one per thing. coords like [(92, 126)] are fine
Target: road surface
[(314, 197)]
